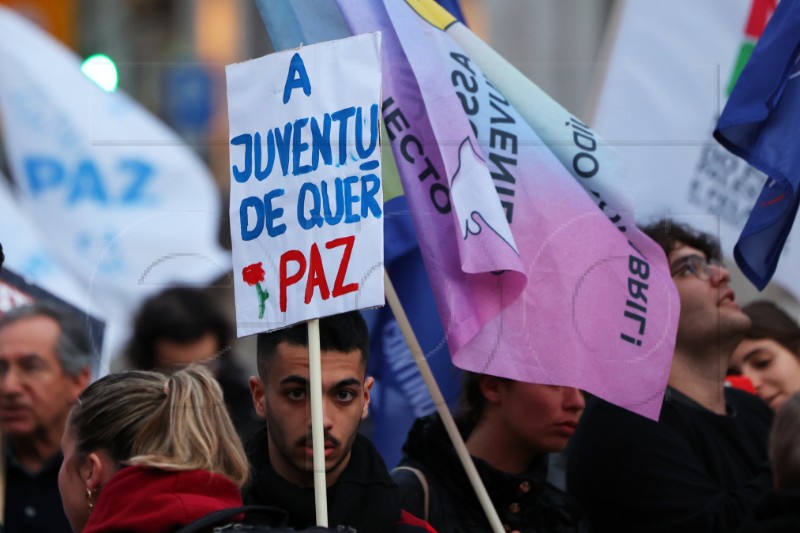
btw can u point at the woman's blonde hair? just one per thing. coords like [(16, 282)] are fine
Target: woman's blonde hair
[(173, 422)]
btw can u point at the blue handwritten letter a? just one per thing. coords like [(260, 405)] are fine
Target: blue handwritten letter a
[(297, 78)]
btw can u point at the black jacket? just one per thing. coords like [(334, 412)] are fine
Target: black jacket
[(364, 497), (525, 502), (693, 470)]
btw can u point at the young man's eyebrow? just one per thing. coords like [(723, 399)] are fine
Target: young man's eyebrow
[(348, 383), (297, 380)]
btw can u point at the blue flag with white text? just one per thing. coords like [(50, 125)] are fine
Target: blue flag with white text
[(761, 124)]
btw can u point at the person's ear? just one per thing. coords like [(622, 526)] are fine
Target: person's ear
[(492, 388), (95, 471), (257, 391), (368, 383)]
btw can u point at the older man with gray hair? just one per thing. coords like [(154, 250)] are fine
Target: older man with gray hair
[(45, 363)]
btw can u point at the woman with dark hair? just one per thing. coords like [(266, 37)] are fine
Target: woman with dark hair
[(149, 453), (769, 355), (509, 428)]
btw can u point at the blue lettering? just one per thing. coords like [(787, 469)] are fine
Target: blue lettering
[(284, 141), (330, 219), (314, 219), (321, 141), (341, 117), (297, 78), (43, 173), (273, 213), (87, 184), (350, 199), (261, 174), (141, 174), (247, 140), (257, 204), (370, 187), (373, 133), (298, 147)]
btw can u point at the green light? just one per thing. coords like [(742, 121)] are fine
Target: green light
[(101, 69)]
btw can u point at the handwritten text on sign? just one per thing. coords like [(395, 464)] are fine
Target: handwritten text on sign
[(306, 198)]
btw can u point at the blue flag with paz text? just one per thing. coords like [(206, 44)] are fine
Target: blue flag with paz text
[(761, 124)]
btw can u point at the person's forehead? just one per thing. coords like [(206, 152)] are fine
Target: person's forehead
[(293, 359), (36, 334)]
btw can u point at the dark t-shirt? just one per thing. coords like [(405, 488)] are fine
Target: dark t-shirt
[(693, 470)]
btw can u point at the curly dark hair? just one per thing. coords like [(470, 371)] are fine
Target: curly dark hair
[(178, 314), (669, 235)]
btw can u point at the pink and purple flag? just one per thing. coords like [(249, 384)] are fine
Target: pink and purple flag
[(532, 280)]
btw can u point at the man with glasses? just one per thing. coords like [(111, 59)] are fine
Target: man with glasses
[(703, 466)]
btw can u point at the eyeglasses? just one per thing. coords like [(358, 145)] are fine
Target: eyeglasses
[(697, 266)]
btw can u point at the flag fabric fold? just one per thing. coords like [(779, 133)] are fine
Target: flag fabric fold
[(588, 308), (124, 204), (760, 123)]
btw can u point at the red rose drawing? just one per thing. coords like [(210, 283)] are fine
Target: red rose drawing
[(254, 275)]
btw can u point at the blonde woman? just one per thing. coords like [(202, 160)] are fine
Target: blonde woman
[(146, 452)]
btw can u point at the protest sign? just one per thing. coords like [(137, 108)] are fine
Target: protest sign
[(306, 195)]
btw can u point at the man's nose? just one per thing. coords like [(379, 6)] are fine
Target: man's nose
[(10, 382), (327, 410), (719, 273)]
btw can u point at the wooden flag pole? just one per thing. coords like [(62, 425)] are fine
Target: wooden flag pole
[(441, 406), (317, 429)]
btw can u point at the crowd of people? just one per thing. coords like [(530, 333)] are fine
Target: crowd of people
[(184, 434)]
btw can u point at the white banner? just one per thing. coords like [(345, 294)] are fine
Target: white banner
[(306, 197), (125, 206), (668, 78)]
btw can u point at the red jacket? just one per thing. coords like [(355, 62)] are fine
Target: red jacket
[(149, 500)]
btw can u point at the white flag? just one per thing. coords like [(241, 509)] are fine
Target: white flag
[(123, 203)]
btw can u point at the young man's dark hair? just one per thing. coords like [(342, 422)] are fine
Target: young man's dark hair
[(670, 235), (2, 257), (345, 333)]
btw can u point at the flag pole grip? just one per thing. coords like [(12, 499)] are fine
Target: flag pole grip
[(441, 406), (317, 429)]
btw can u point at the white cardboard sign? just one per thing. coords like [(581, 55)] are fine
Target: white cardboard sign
[(306, 194)]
